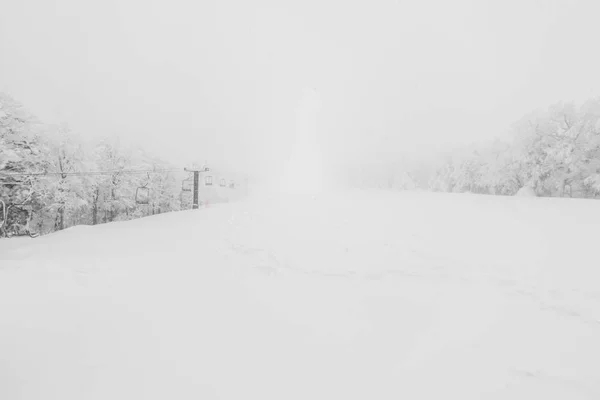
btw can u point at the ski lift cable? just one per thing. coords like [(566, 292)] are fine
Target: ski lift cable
[(7, 175), (88, 173)]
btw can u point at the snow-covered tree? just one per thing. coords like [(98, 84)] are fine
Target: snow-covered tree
[(69, 198), (51, 179), (21, 159), (555, 152)]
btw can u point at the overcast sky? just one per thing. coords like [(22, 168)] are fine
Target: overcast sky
[(221, 80)]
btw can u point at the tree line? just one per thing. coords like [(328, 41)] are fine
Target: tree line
[(553, 153), (549, 153), (50, 180)]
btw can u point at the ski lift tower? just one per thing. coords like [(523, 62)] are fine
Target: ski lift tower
[(196, 172)]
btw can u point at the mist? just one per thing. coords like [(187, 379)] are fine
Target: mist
[(313, 199), (295, 94)]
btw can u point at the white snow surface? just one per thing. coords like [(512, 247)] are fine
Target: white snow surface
[(354, 295)]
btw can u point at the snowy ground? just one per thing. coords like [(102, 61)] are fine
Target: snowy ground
[(358, 295)]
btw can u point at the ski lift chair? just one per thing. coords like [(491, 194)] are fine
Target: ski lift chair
[(186, 185), (142, 195), (208, 180), (223, 182)]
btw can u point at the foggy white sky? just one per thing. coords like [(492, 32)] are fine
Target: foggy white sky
[(220, 80)]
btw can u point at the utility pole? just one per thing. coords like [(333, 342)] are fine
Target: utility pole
[(196, 180), (204, 168)]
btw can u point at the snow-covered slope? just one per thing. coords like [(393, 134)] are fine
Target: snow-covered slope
[(357, 295)]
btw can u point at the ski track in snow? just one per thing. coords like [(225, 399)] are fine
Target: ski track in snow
[(422, 258), (355, 295)]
